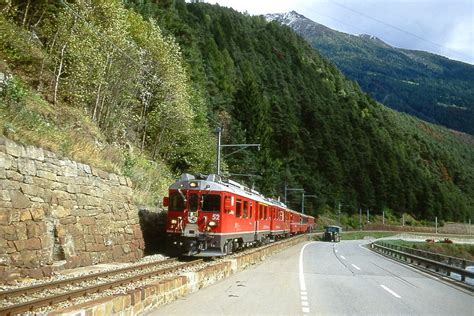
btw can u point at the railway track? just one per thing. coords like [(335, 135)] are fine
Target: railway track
[(31, 298), (37, 297)]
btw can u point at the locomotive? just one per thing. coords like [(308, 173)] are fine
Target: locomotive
[(212, 216)]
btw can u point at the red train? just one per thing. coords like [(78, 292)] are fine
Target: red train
[(211, 216)]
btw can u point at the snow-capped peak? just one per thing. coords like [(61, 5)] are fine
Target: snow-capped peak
[(368, 36), (287, 18)]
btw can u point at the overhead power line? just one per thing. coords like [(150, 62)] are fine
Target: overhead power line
[(397, 28)]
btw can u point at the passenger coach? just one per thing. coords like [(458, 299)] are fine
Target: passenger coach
[(211, 216)]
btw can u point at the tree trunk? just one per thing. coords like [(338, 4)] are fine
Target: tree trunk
[(156, 146), (56, 85), (26, 13)]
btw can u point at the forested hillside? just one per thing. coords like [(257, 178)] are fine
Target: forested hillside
[(431, 87), (134, 92), (95, 81), (317, 129)]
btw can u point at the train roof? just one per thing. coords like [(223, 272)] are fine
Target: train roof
[(214, 182)]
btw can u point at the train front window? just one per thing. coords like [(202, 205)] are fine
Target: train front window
[(193, 202), (176, 202), (211, 202)]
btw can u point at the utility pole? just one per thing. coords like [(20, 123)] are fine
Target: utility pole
[(403, 219), (436, 224), (290, 189), (219, 147), (339, 215), (302, 200), (368, 216)]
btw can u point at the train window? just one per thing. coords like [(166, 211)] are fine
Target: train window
[(176, 202), (211, 203), (193, 202), (246, 209), (265, 215), (250, 209), (238, 208)]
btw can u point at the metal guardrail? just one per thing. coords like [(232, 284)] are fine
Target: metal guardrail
[(432, 261)]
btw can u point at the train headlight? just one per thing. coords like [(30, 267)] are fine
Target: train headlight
[(193, 184), (174, 221), (212, 224)]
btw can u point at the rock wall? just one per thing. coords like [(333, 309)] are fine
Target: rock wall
[(57, 214)]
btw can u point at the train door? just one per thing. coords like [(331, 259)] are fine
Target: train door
[(254, 206)]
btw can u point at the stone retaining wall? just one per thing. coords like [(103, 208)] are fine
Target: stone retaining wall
[(149, 297), (56, 213)]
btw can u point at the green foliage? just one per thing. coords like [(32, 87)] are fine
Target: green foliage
[(99, 59), (150, 179), (365, 234), (153, 94), (463, 251), (318, 130), (12, 91), (431, 87), (117, 67)]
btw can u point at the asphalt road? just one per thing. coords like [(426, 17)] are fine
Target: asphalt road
[(326, 279)]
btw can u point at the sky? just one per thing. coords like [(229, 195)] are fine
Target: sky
[(443, 27)]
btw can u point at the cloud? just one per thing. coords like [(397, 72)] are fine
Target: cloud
[(438, 26), (461, 39)]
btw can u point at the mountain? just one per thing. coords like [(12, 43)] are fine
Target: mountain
[(141, 85), (431, 87), (317, 130)]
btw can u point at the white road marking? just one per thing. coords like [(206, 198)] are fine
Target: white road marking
[(336, 250), (343, 257), (304, 301), (301, 271), (390, 291), (355, 266)]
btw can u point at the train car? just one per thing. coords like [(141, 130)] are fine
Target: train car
[(307, 223), (295, 223), (279, 226), (211, 216)]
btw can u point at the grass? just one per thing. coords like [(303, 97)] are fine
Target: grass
[(356, 235), (463, 251), (27, 118), (366, 234)]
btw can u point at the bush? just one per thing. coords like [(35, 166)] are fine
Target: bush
[(12, 91)]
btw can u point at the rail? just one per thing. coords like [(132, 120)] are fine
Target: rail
[(438, 263), (49, 300)]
